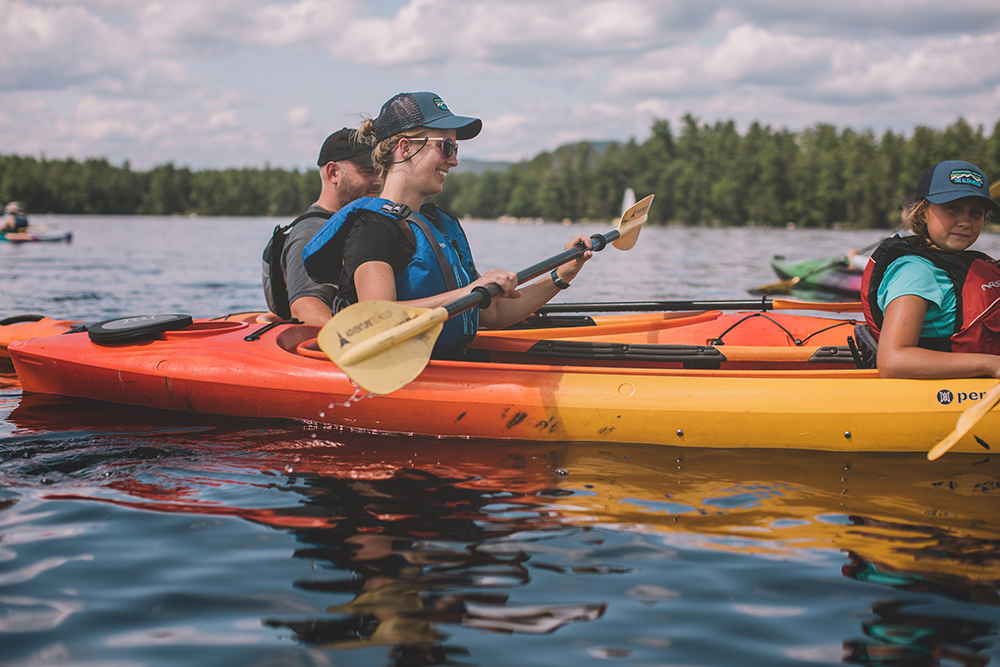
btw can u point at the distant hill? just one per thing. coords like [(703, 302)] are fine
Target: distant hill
[(466, 166)]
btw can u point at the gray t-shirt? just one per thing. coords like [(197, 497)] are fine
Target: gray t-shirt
[(298, 281)]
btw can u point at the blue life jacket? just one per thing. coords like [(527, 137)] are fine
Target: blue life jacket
[(442, 260)]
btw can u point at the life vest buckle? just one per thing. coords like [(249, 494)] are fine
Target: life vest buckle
[(397, 210)]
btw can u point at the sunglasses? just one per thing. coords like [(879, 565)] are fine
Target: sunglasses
[(449, 146)]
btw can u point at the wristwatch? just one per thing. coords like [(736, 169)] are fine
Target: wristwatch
[(559, 282)]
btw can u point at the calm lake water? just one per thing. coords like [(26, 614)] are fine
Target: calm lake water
[(140, 537)]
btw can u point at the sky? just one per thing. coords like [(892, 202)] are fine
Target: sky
[(249, 83)]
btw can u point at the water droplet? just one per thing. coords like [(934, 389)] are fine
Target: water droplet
[(562, 472)]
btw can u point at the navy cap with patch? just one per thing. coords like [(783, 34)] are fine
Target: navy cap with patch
[(954, 179), (406, 111)]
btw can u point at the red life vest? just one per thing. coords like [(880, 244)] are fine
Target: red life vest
[(976, 278)]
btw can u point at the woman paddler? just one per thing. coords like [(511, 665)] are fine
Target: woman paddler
[(397, 248), (933, 304)]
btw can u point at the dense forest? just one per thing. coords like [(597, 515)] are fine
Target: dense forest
[(701, 174)]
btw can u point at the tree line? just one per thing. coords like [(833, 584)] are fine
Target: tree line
[(94, 186), (703, 174)]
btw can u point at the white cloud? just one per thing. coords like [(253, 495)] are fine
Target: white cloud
[(306, 20), (224, 118), (938, 67), (52, 47), (192, 25), (298, 116), (219, 82), (753, 54)]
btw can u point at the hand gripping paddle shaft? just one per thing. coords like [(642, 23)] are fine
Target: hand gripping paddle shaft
[(383, 346)]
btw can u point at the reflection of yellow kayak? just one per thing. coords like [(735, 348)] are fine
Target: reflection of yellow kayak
[(899, 517)]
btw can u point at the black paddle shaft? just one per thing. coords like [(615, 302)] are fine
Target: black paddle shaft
[(483, 296), (763, 304)]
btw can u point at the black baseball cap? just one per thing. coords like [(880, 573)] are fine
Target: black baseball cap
[(346, 144), (406, 111)]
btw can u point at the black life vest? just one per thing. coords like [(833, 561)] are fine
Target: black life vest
[(976, 278), (272, 258)]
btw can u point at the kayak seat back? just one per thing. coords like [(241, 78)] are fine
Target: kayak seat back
[(867, 346)]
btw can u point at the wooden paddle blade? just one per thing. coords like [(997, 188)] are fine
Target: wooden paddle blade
[(782, 287), (382, 346), (631, 223), (966, 422)]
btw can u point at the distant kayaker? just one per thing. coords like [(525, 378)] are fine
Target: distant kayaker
[(346, 173), (14, 219), (932, 304), (397, 248)]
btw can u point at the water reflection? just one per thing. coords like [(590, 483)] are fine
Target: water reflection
[(414, 546), (902, 636), (414, 541), (417, 548)]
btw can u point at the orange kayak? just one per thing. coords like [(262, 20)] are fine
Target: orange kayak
[(23, 327), (241, 369), (742, 329), (710, 339)]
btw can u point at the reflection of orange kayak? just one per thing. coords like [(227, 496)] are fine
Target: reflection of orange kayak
[(361, 509), (235, 368)]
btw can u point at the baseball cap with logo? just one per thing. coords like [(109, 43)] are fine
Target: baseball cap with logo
[(406, 111), (346, 144), (954, 179)]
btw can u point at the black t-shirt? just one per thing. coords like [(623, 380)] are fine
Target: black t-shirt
[(374, 238)]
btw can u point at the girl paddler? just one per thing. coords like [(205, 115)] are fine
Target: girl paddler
[(397, 248), (933, 304)]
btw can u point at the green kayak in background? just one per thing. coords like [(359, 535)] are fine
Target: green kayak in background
[(837, 276)]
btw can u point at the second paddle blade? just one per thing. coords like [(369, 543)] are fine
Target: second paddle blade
[(631, 223), (394, 366), (782, 287)]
